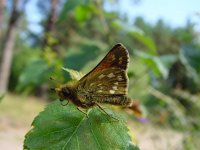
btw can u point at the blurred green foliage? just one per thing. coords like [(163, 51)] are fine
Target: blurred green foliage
[(164, 69)]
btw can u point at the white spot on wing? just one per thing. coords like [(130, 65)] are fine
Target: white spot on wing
[(114, 87), (91, 84), (120, 60), (111, 75), (112, 91), (119, 78), (99, 91), (99, 84), (101, 76)]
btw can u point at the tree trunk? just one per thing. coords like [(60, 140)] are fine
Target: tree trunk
[(50, 25), (52, 16), (2, 6), (49, 29), (8, 47)]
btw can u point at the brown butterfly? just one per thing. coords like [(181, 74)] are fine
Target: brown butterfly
[(106, 83)]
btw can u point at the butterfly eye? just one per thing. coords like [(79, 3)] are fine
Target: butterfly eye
[(65, 92)]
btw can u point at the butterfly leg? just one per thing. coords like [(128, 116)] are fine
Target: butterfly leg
[(101, 108), (64, 104), (78, 108)]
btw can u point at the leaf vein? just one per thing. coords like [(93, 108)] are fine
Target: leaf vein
[(73, 133), (95, 137)]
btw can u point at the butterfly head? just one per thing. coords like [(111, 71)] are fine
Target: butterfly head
[(66, 91), (63, 92)]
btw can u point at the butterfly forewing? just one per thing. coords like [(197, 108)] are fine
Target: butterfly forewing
[(116, 58), (109, 81), (109, 76)]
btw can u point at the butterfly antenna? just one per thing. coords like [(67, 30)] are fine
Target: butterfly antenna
[(52, 89), (52, 78), (55, 80)]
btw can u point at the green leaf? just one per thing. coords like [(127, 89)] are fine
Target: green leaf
[(154, 62), (34, 74), (83, 13), (137, 34), (189, 56), (147, 41), (68, 6), (78, 58), (64, 127), (192, 54), (75, 75)]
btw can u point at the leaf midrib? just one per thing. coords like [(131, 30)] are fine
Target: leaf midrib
[(73, 133)]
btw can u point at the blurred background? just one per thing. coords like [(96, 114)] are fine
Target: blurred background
[(38, 38)]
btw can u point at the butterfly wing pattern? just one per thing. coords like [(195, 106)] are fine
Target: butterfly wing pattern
[(108, 81)]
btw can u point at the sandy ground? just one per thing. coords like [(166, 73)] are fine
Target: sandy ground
[(14, 124), (12, 139), (16, 115), (149, 138)]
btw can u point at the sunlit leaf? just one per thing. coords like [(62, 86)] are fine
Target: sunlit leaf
[(153, 62), (190, 57), (82, 13), (169, 59), (75, 75), (147, 41), (69, 5), (138, 34)]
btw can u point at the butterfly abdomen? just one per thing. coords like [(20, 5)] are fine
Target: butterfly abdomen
[(125, 102), (116, 100)]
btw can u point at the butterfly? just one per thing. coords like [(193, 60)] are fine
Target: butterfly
[(106, 83)]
